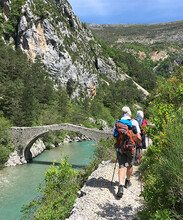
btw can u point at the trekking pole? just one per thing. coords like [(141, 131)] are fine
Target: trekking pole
[(114, 171), (140, 172)]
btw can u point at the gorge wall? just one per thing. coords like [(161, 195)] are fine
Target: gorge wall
[(49, 31)]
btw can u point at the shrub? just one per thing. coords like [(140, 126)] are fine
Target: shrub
[(59, 190), (162, 170)]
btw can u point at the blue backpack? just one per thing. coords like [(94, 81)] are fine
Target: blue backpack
[(140, 120)]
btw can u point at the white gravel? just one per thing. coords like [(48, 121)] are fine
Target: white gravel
[(98, 199)]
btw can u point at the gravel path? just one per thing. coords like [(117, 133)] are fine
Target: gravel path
[(98, 199)]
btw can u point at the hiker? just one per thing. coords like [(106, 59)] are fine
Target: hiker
[(125, 148), (142, 124), (139, 118)]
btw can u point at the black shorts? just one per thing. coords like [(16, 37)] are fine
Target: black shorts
[(126, 159)]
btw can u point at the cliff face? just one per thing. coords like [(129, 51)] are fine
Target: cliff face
[(48, 29)]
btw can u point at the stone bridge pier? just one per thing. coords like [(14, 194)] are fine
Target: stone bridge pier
[(24, 137)]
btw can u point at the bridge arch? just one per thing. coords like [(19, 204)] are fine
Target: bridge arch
[(24, 137)]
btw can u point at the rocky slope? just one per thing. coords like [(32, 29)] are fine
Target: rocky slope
[(49, 31), (158, 46), (141, 33)]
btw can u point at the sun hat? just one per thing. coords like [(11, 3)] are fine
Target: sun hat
[(140, 113), (126, 110)]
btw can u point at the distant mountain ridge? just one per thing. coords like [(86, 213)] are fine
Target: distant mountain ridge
[(140, 33), (158, 46)]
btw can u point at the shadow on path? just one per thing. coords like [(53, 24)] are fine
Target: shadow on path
[(112, 211), (103, 183)]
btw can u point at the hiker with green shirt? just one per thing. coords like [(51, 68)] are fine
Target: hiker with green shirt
[(127, 135)]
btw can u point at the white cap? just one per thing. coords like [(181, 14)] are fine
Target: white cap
[(126, 110), (140, 113)]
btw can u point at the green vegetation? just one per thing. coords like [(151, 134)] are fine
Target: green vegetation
[(5, 145), (134, 32), (25, 88), (162, 166), (61, 184), (130, 65), (28, 97), (133, 54), (9, 28), (59, 192)]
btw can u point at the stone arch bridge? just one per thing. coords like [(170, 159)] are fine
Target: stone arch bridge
[(24, 137)]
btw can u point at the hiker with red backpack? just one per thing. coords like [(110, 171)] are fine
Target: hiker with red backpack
[(127, 134)]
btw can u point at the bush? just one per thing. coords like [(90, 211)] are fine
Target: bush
[(59, 190), (61, 184), (103, 152), (162, 170)]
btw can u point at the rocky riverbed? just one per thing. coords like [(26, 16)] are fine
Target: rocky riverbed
[(98, 201)]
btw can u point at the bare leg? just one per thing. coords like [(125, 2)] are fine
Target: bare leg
[(129, 171), (121, 174)]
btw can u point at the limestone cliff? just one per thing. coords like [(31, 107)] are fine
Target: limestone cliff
[(49, 30)]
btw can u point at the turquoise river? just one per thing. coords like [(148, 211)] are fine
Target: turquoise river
[(18, 185)]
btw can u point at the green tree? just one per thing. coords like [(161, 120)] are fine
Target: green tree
[(5, 145), (11, 26), (59, 193)]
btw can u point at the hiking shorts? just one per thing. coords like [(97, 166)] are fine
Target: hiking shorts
[(126, 159)]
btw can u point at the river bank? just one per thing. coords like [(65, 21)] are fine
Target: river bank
[(19, 184), (39, 147)]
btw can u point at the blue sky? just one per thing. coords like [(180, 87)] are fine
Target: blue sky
[(127, 11)]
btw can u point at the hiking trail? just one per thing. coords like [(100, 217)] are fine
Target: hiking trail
[(98, 200)]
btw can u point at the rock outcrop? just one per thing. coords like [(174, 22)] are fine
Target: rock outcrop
[(49, 31), (15, 159)]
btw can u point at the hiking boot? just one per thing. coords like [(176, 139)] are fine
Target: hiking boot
[(127, 183), (120, 191)]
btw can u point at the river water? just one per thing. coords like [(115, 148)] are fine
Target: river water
[(18, 184)]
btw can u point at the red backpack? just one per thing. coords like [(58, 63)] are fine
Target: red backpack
[(126, 138)]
